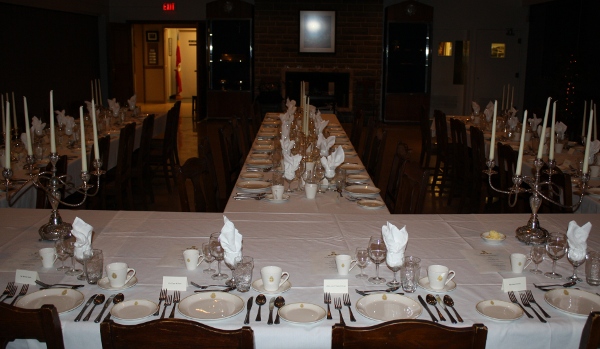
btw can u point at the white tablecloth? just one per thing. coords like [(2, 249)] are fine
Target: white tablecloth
[(297, 243)]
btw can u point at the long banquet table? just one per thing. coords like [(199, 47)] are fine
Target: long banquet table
[(151, 242)]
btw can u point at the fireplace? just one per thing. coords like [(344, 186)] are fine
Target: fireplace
[(326, 87)]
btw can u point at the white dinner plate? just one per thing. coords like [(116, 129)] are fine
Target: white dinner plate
[(340, 140), (253, 186), (272, 115), (352, 168), (133, 309), (259, 156), (257, 286), (64, 299), (347, 147), (486, 238), (361, 191), (211, 306), (350, 154), (265, 135), (271, 123), (575, 302), (251, 175), (263, 142), (449, 287), (357, 178), (338, 134), (370, 204), (387, 307), (302, 313), (260, 163), (262, 148), (269, 197), (105, 284), (499, 310)]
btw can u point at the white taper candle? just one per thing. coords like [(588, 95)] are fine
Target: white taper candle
[(543, 135), (83, 150), (7, 138), (521, 145), (493, 139), (52, 140), (588, 139), (27, 127), (95, 130), (551, 152)]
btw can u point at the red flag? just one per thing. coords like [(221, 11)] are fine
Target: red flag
[(178, 66)]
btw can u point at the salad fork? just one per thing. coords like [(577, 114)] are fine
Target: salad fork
[(11, 293), (526, 303), (513, 299), (167, 302), (328, 301), (176, 299), (8, 288), (161, 297), (338, 305), (23, 292), (349, 305), (532, 300)]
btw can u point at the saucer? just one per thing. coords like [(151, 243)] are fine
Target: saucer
[(258, 287), (424, 283), (269, 197), (105, 285)]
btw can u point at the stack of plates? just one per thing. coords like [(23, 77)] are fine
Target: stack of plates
[(362, 191), (254, 186)]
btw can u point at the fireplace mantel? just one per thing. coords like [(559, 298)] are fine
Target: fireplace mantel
[(335, 83)]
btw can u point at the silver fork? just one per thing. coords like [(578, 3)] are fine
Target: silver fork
[(23, 292), (8, 288), (11, 293), (328, 301), (349, 305), (176, 299), (526, 303), (338, 305), (167, 302), (513, 299), (161, 297), (532, 300)]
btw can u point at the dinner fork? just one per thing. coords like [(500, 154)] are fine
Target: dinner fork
[(328, 301), (11, 293), (161, 297), (23, 292), (526, 303), (338, 305), (167, 302), (532, 300), (349, 305), (7, 289), (513, 299), (176, 299)]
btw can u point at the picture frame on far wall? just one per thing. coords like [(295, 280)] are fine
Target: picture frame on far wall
[(151, 36), (317, 31)]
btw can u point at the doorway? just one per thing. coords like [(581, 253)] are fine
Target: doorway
[(185, 38)]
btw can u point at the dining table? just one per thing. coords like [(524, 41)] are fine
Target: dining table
[(305, 245)]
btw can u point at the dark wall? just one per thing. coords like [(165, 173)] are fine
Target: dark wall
[(43, 50)]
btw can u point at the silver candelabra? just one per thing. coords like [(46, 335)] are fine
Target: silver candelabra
[(51, 184), (532, 232)]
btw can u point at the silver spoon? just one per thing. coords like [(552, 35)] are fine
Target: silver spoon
[(260, 301), (430, 299), (118, 299), (279, 302), (450, 302), (568, 284), (97, 301)]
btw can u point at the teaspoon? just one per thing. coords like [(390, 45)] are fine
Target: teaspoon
[(97, 301), (450, 302), (118, 299), (431, 301), (260, 301), (279, 302), (568, 284)]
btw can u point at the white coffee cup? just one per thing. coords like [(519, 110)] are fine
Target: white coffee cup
[(558, 148), (518, 262), (192, 258), (439, 276), (344, 263), (311, 190), (273, 277), (119, 274), (277, 191), (594, 171), (48, 256)]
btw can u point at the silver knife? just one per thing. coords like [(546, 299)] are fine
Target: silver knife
[(106, 304), (248, 307), (433, 318), (271, 306), (87, 304), (437, 297)]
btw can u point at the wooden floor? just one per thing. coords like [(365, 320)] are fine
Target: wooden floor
[(187, 146)]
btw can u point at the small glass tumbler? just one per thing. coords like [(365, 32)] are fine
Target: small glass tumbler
[(242, 273), (410, 273), (592, 268), (93, 265)]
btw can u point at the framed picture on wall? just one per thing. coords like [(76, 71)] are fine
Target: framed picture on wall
[(317, 31), (151, 36)]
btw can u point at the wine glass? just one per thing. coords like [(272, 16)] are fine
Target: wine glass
[(377, 253), (62, 253), (362, 260), (394, 269), (319, 175), (208, 257), (330, 174), (298, 175), (556, 247), (576, 260), (70, 248), (537, 256), (217, 251)]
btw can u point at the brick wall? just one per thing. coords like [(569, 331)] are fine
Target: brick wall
[(359, 40)]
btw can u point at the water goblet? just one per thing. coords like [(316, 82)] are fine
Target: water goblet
[(575, 259), (362, 260), (394, 282), (70, 248), (208, 257), (330, 174), (62, 253), (217, 251), (319, 175), (556, 247), (537, 256), (377, 251)]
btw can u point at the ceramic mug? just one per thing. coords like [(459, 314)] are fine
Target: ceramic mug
[(273, 277), (518, 262), (439, 276), (48, 256), (192, 258), (344, 264), (119, 274), (310, 189)]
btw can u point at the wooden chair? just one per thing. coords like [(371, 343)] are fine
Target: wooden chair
[(397, 167), (232, 159), (371, 129), (118, 184), (42, 324), (427, 146), (357, 126), (408, 334), (196, 171), (411, 189), (213, 198), (590, 337), (61, 169), (141, 178), (443, 164), (376, 154), (239, 132), (163, 150), (461, 165), (173, 333)]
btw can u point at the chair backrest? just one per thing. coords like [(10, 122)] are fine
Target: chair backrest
[(478, 161), (231, 156), (125, 153), (409, 334), (412, 189), (173, 333), (376, 156), (104, 152), (441, 132), (143, 152), (170, 135), (393, 184), (425, 128), (42, 324), (61, 169), (460, 148), (196, 170), (561, 191), (239, 133), (357, 126), (212, 196), (590, 337)]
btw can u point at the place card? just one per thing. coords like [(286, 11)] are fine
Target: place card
[(335, 285), (514, 284), (175, 283), (26, 277), (489, 260)]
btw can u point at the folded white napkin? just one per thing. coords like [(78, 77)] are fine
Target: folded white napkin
[(286, 146), (290, 103), (131, 102), (594, 147), (60, 116), (560, 129), (321, 125), (83, 235), (330, 162), (546, 134), (113, 105), (512, 112), (24, 138), (475, 107), (318, 118), (489, 111), (534, 122), (69, 123), (325, 143), (231, 241), (37, 126), (290, 165), (577, 236), (513, 122), (395, 241)]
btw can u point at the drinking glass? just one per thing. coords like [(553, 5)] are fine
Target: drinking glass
[(537, 256), (410, 273), (299, 173), (394, 282), (208, 257), (377, 251), (362, 260), (217, 251), (575, 263), (319, 175), (62, 253), (556, 247)]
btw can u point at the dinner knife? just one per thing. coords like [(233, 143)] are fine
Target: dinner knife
[(87, 304), (433, 318), (271, 306), (106, 304), (248, 307), (437, 297)]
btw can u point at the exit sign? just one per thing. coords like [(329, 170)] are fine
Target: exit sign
[(168, 6)]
